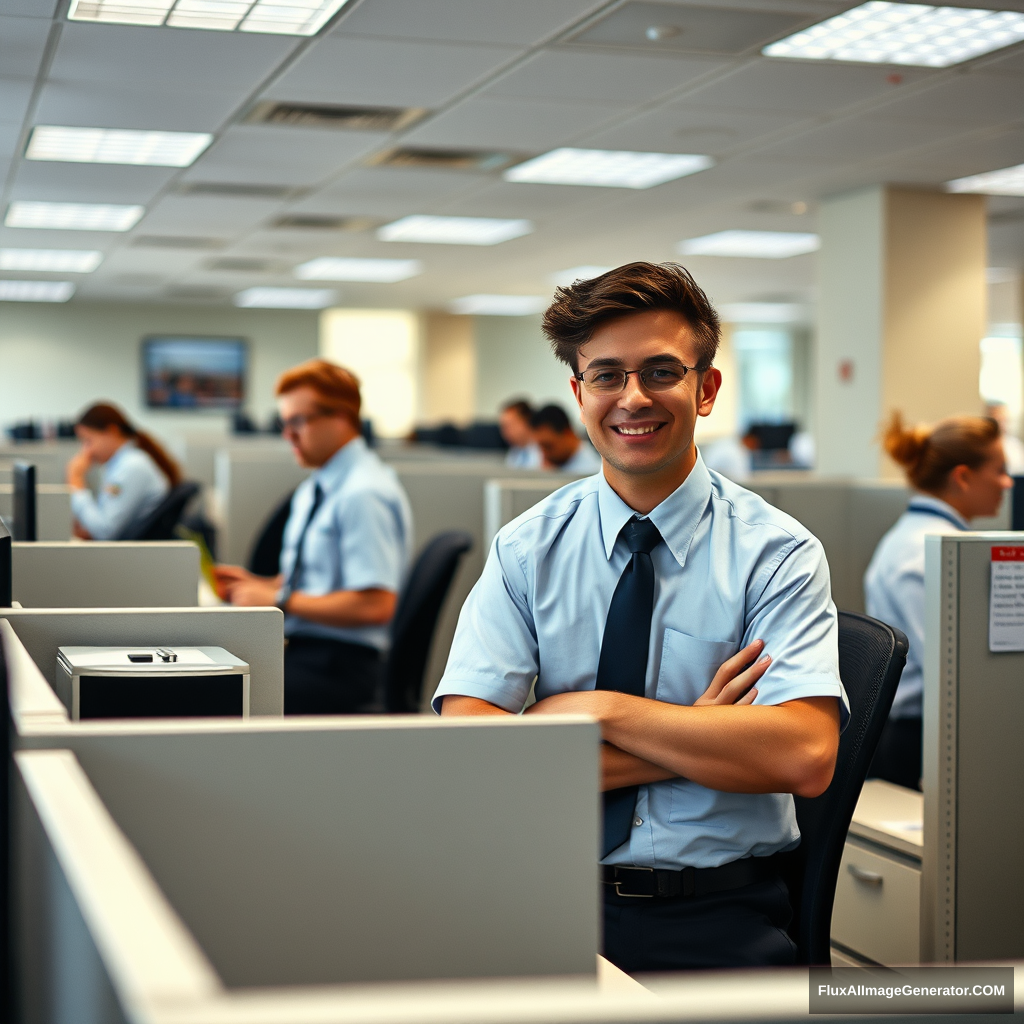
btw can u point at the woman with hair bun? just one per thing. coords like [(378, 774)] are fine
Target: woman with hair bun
[(958, 471), (137, 474)]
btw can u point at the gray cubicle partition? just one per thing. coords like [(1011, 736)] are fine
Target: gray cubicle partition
[(102, 574), (49, 457), (256, 635), (972, 898), (53, 509)]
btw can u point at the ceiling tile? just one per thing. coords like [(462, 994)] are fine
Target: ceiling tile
[(14, 99), (1010, 61), (29, 8), (21, 45), (89, 183), (385, 72), (522, 23), (8, 141), (525, 125), (205, 215), (965, 99), (281, 156), (569, 75), (388, 192), (134, 106), (131, 56)]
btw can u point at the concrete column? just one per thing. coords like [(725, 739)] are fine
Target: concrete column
[(901, 312)]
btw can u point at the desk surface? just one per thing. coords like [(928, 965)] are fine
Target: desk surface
[(890, 815)]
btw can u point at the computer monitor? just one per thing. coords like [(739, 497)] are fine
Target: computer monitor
[(1017, 504), (25, 517), (5, 566)]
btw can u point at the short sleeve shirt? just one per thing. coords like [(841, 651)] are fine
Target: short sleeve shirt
[(359, 538), (731, 569)]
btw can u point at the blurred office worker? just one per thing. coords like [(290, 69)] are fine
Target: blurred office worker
[(958, 470), (560, 446), (514, 424), (691, 618), (136, 474), (345, 551)]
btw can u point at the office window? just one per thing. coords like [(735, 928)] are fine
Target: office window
[(764, 364), (1002, 371)]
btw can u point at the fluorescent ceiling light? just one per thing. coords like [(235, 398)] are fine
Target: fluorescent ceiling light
[(57, 261), (764, 245), (763, 312), (454, 230), (564, 278), (880, 32), (73, 216), (333, 268), (1007, 182), (498, 305), (36, 291), (285, 298), (607, 167), (279, 17), (116, 146)]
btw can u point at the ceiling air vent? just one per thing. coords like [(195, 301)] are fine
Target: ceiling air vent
[(314, 222), (243, 265), (196, 294), (239, 190), (319, 115), (443, 159), (176, 242)]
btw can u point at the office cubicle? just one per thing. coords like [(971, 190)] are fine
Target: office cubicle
[(53, 509)]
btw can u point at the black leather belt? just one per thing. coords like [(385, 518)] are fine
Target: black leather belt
[(648, 883)]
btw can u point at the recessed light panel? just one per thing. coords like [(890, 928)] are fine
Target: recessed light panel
[(332, 268), (920, 35), (279, 17), (609, 168), (454, 230), (54, 261), (73, 216), (763, 245), (564, 278), (1007, 182), (285, 298), (116, 146), (498, 305), (36, 291)]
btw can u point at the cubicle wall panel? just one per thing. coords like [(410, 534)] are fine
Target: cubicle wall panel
[(873, 509), (53, 509), (256, 635), (370, 853), (990, 770)]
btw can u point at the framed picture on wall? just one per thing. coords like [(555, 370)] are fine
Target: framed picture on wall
[(194, 373)]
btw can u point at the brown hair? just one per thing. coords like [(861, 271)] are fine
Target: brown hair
[(584, 306), (929, 454), (337, 388), (103, 416)]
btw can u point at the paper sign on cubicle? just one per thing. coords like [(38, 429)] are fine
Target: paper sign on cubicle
[(1006, 599)]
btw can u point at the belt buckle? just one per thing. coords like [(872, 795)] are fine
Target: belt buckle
[(632, 895)]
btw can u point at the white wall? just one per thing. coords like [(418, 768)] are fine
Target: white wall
[(56, 360)]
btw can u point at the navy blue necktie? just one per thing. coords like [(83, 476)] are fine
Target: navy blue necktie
[(623, 662), (293, 576)]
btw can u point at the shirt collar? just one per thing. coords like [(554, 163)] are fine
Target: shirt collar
[(338, 466), (929, 503), (121, 452), (676, 517)]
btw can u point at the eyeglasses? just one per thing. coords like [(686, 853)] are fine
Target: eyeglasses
[(610, 380), (294, 424)]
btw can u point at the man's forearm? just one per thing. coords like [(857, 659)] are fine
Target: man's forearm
[(619, 768), (345, 608)]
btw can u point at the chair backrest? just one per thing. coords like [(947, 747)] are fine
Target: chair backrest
[(871, 660), (412, 628), (265, 558), (160, 523)]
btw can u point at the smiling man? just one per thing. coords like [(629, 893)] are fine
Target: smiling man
[(654, 596)]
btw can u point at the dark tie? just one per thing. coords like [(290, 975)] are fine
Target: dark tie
[(293, 576), (623, 663)]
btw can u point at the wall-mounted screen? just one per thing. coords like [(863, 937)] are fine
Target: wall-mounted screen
[(194, 373)]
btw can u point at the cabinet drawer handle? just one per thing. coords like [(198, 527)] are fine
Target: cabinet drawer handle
[(867, 877)]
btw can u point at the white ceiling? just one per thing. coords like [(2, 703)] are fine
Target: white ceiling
[(508, 75)]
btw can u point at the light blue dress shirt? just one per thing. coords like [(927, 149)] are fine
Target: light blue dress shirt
[(359, 538), (584, 460), (527, 456), (132, 486), (731, 570), (894, 587)]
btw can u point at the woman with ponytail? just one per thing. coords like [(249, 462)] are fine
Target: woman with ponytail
[(958, 472), (137, 473)]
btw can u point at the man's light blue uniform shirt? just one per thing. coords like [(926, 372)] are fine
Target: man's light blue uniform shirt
[(359, 538), (132, 487), (526, 457), (894, 588), (731, 570)]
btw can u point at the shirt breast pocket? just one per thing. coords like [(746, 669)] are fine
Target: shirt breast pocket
[(688, 664)]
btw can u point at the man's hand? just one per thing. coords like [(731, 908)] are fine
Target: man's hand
[(734, 681), (239, 586)]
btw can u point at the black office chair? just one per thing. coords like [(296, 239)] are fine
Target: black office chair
[(265, 558), (412, 628), (161, 522), (871, 660)]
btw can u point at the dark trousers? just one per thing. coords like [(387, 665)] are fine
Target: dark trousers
[(331, 677), (740, 928), (898, 757)]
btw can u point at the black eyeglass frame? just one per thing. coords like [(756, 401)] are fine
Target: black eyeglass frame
[(641, 373)]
